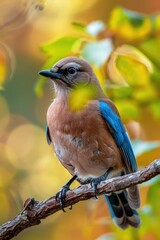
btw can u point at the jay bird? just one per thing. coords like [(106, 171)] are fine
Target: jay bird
[(91, 143)]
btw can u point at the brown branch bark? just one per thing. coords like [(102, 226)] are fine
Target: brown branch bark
[(34, 211)]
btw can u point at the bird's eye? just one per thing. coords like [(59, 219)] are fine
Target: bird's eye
[(72, 70)]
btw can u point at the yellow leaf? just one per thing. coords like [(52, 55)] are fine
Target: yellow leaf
[(128, 65), (99, 73), (128, 109), (146, 95), (129, 24), (80, 96), (7, 63), (3, 68)]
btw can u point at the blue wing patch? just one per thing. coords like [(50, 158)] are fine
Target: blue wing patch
[(120, 135), (48, 135)]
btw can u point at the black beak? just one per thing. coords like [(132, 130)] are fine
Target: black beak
[(49, 73)]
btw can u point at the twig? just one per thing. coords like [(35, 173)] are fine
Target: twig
[(34, 211)]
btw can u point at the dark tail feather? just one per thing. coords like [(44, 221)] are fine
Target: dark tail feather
[(123, 215)]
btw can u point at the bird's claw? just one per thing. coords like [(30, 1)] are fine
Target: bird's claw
[(61, 197), (94, 183)]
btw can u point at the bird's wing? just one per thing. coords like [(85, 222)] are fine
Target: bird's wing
[(120, 135), (48, 135)]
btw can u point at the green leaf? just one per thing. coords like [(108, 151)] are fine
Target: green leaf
[(133, 71), (155, 19), (150, 47), (154, 196), (129, 24), (121, 92), (141, 147), (38, 88), (135, 18), (79, 26), (94, 28), (155, 78), (97, 52), (128, 109), (128, 65), (155, 109), (60, 47), (148, 94)]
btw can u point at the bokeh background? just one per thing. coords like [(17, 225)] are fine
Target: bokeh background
[(123, 48)]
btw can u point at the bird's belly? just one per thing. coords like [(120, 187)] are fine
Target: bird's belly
[(85, 156)]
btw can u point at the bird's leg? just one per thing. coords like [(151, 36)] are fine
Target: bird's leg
[(61, 195), (96, 181)]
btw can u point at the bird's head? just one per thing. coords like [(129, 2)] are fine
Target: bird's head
[(72, 73), (69, 72)]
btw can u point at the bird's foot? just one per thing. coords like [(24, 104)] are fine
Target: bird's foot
[(96, 181), (61, 196)]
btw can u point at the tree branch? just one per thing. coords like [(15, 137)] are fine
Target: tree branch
[(34, 211)]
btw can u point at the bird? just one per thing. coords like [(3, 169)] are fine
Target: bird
[(90, 142)]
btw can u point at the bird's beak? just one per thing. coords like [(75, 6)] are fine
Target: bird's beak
[(49, 73)]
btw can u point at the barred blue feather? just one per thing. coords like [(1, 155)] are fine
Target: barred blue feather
[(122, 205)]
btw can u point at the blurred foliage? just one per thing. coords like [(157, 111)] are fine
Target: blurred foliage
[(123, 52), (13, 17)]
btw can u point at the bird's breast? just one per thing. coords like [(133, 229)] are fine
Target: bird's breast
[(81, 140)]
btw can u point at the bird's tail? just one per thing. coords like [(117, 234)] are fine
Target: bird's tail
[(122, 214), (133, 197)]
